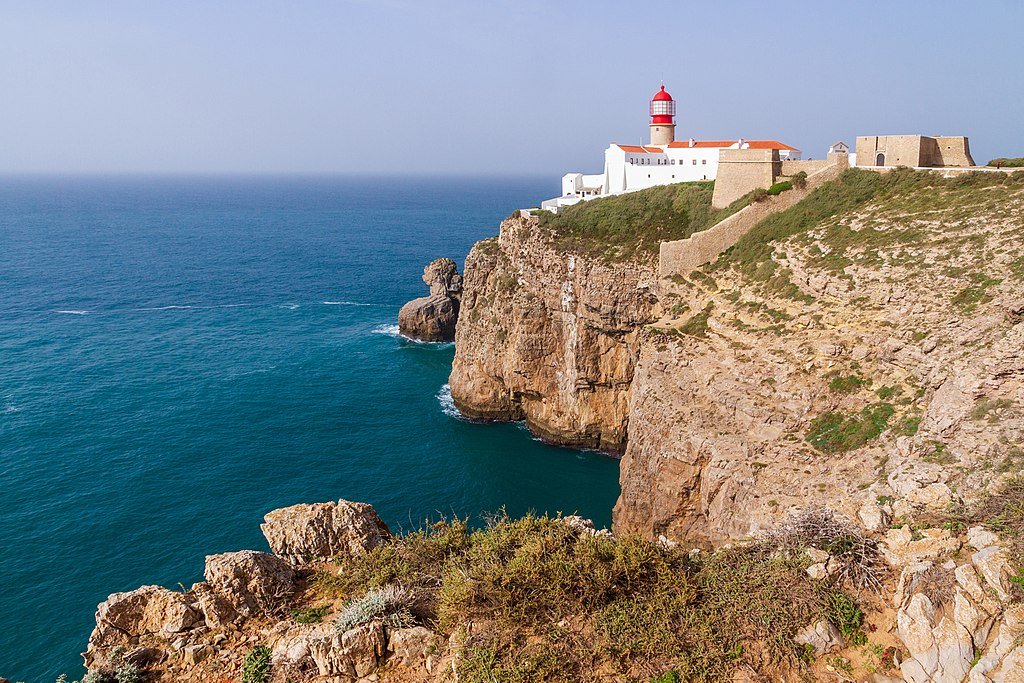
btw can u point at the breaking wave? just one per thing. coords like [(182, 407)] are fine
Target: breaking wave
[(447, 403)]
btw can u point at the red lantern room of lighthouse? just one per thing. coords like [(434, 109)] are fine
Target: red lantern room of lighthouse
[(663, 118)]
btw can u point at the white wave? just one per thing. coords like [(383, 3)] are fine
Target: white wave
[(73, 312), (290, 307), (346, 303), (393, 331), (10, 408), (444, 397), (164, 308)]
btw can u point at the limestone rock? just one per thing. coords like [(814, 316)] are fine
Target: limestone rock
[(290, 643), (979, 537), (350, 655), (143, 611), (549, 337), (941, 637), (901, 548), (255, 584), (411, 646), (324, 530), (584, 527), (823, 636), (429, 318), (433, 318), (217, 611)]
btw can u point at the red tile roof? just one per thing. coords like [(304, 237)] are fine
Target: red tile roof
[(754, 144), (636, 149), (769, 144)]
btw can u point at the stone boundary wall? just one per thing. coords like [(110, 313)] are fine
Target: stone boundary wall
[(681, 257), (790, 167)]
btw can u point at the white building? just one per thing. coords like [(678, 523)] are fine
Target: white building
[(628, 168)]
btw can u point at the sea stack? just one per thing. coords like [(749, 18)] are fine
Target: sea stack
[(433, 317)]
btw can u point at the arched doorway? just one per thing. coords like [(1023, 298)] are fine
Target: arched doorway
[(880, 159)]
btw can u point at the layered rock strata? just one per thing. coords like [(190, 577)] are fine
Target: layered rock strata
[(549, 337)]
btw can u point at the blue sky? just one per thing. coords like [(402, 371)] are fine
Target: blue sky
[(523, 87)]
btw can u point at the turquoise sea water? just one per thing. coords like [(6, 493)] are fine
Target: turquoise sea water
[(179, 356)]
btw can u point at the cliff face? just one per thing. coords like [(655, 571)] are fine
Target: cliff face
[(549, 336), (860, 350), (871, 360)]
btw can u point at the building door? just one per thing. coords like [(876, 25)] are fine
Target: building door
[(880, 159)]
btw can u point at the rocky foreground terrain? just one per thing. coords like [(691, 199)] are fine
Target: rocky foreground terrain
[(553, 599)]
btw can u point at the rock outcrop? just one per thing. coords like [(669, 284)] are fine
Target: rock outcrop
[(254, 584), (203, 635), (433, 317), (549, 337), (303, 533)]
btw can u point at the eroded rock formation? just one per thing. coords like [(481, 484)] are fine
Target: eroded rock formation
[(302, 533), (433, 317), (550, 337)]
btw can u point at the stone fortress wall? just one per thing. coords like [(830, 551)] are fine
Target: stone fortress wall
[(742, 170), (915, 151)]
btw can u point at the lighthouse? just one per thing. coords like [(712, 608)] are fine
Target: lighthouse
[(663, 118)]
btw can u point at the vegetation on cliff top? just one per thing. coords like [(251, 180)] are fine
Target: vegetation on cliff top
[(553, 603), (1008, 162), (629, 226), (903, 194)]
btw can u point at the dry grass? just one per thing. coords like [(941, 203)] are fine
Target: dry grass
[(551, 603), (860, 564)]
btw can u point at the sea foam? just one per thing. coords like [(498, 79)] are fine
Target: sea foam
[(444, 398)]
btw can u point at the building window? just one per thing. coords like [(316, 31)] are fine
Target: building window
[(694, 162), (704, 162), (673, 162)]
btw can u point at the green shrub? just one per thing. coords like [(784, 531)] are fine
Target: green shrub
[(256, 668), (1008, 162), (838, 432), (560, 603), (633, 225), (847, 384), (780, 187), (800, 179), (697, 326), (310, 615)]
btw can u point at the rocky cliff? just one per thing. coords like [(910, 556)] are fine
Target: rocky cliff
[(862, 350), (550, 336)]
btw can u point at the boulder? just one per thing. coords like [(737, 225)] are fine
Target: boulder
[(585, 527), (823, 636), (429, 318), (903, 546), (254, 584), (217, 611), (301, 533), (433, 317), (411, 647), (349, 655), (143, 611)]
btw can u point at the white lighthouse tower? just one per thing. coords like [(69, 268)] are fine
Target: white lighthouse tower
[(663, 118)]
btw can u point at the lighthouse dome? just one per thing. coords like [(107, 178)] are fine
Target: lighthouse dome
[(663, 107)]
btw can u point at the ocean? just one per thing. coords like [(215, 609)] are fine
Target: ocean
[(178, 356)]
